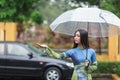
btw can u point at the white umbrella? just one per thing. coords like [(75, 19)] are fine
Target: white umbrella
[(96, 21)]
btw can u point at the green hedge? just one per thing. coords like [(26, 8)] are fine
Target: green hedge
[(108, 67)]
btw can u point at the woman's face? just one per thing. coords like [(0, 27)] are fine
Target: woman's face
[(77, 37)]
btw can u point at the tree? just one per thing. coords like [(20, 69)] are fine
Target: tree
[(50, 9), (36, 17), (16, 10), (86, 2), (111, 5), (19, 11)]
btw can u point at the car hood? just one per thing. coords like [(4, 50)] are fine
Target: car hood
[(51, 59)]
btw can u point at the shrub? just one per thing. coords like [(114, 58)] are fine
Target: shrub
[(108, 67)]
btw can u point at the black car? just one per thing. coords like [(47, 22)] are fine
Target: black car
[(23, 60)]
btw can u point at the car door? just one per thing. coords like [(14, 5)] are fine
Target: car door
[(2, 59), (18, 61)]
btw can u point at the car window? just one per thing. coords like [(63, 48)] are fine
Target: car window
[(1, 48), (34, 49), (15, 49)]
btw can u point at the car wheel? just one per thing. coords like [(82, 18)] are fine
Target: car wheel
[(52, 73)]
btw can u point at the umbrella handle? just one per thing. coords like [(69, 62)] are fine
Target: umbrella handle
[(86, 68), (87, 54)]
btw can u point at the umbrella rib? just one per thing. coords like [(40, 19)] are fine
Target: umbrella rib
[(102, 17), (104, 20)]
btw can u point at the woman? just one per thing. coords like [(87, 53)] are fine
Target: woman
[(83, 57)]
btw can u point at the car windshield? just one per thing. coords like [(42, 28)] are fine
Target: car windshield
[(40, 52), (35, 50)]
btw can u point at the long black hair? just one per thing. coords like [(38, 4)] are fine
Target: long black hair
[(83, 39)]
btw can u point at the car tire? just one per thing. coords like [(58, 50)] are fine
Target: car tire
[(52, 73)]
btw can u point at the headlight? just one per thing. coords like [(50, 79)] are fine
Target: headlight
[(70, 64)]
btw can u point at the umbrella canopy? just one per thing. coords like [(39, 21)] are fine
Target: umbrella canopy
[(94, 20)]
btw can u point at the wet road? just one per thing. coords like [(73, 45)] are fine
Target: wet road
[(39, 79), (103, 79), (16, 79)]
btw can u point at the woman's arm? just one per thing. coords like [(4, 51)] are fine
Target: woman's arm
[(49, 51), (93, 65), (52, 53)]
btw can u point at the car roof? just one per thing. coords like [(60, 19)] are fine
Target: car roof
[(10, 42)]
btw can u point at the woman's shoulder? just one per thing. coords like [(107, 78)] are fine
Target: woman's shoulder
[(91, 50), (72, 49)]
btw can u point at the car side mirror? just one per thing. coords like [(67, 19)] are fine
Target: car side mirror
[(30, 55)]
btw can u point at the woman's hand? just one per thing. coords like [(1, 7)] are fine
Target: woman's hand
[(86, 63), (41, 45)]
